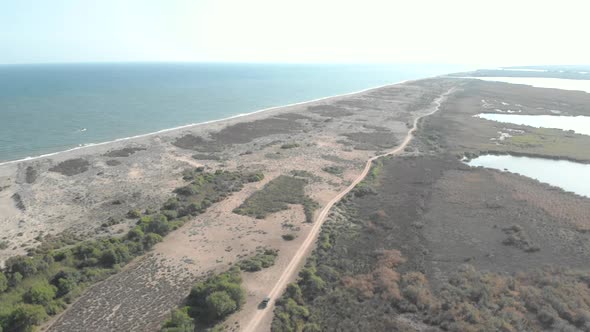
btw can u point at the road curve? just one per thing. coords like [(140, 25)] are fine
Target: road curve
[(291, 269)]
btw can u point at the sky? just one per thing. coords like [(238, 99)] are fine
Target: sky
[(472, 32)]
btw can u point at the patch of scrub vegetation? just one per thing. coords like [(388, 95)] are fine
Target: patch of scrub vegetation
[(275, 156), (518, 238), (372, 141), (196, 143), (40, 285), (71, 167), (329, 111), (124, 152), (209, 302), (31, 174), (204, 156), (275, 196), (289, 146), (18, 201), (336, 170), (263, 259), (288, 237), (305, 174)]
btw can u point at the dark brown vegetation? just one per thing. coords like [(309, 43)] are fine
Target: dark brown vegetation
[(31, 174), (124, 152), (238, 133), (356, 279), (336, 170), (71, 167), (18, 201)]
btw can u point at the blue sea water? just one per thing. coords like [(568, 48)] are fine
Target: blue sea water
[(50, 108)]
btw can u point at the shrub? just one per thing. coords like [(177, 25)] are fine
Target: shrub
[(288, 237), (289, 146), (219, 305), (261, 260), (66, 281), (336, 170), (151, 239), (179, 321), (132, 214)]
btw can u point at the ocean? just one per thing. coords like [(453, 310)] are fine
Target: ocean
[(50, 108)]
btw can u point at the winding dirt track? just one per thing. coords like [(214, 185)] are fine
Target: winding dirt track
[(291, 269)]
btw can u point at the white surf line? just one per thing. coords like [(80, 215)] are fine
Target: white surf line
[(291, 269), (205, 122)]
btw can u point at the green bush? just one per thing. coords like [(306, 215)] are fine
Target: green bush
[(288, 237), (213, 299), (261, 260), (151, 239), (40, 293), (132, 214), (25, 316)]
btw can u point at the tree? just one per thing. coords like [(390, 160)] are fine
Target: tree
[(25, 316), (65, 282), (3, 282), (21, 264), (40, 293), (219, 305), (15, 279)]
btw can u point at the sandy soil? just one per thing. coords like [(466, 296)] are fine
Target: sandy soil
[(79, 190)]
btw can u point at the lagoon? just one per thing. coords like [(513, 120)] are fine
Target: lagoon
[(568, 175), (579, 124)]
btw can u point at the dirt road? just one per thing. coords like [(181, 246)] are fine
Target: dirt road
[(291, 270)]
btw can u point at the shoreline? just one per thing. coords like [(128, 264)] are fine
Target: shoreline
[(191, 125)]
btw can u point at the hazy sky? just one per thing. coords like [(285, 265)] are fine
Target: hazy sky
[(472, 32)]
